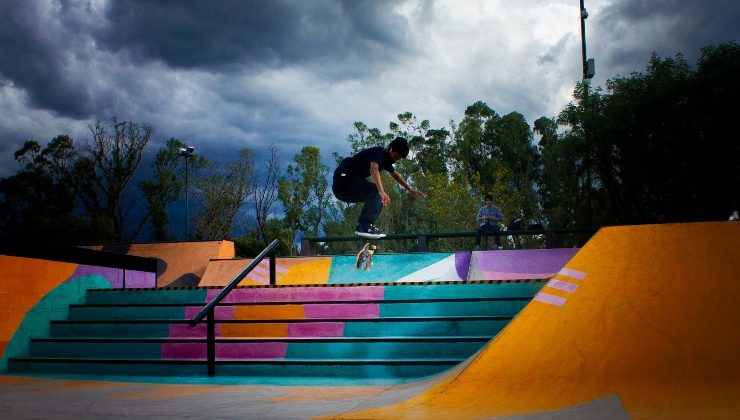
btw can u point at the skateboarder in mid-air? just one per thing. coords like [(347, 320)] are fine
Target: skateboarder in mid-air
[(351, 184)]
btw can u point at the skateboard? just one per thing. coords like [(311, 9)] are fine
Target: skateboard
[(365, 256)]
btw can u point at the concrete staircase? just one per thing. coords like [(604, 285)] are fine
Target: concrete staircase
[(373, 331)]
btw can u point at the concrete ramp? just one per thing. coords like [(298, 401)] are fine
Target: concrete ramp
[(643, 316), (178, 263)]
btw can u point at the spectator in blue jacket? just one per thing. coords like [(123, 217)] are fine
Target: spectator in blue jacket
[(489, 218)]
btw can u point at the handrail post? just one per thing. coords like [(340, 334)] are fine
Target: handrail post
[(549, 239), (210, 309), (422, 244), (272, 268), (211, 342)]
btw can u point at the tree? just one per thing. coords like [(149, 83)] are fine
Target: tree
[(104, 171), (473, 147), (265, 195), (252, 243), (92, 181), (38, 202), (222, 193), (658, 144), (166, 186), (305, 192)]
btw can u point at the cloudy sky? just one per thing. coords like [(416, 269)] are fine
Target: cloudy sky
[(225, 74)]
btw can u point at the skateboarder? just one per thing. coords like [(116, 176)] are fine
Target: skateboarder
[(351, 185)]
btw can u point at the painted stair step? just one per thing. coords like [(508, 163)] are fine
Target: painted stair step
[(323, 310), (347, 368), (274, 348), (395, 326), (319, 293)]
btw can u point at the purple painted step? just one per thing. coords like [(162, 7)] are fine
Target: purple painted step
[(255, 295)]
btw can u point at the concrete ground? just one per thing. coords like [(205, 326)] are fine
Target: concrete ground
[(49, 398)]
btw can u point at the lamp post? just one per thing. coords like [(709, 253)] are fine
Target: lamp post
[(589, 70), (187, 152), (589, 66)]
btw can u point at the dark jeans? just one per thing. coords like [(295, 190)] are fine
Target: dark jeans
[(355, 189), (488, 228)]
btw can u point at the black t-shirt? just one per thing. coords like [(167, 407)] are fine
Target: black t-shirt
[(359, 164)]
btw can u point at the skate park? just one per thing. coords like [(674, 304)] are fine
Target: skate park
[(640, 322)]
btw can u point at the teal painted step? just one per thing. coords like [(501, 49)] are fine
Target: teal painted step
[(486, 306), (363, 368), (297, 348), (462, 290), (397, 326), (144, 296), (120, 312), (109, 329)]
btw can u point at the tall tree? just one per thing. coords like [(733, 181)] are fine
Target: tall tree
[(106, 169), (658, 144), (38, 202), (166, 186), (97, 174), (265, 194), (222, 192), (305, 193)]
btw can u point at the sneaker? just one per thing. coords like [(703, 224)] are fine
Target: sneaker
[(477, 248), (368, 231)]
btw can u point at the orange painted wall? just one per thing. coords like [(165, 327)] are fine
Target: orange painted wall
[(649, 314), (23, 282)]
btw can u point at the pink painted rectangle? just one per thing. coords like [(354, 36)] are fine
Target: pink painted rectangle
[(348, 310), (271, 350), (301, 294), (549, 299), (580, 275), (562, 285), (316, 329), (221, 312)]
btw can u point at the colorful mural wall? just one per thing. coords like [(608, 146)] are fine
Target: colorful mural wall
[(418, 267), (34, 291)]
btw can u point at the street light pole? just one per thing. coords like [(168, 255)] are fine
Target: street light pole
[(589, 70), (584, 15), (187, 152)]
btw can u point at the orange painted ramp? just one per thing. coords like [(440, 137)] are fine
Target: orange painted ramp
[(648, 316), (178, 263)]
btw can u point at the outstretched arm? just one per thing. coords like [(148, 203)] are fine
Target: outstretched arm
[(375, 174), (405, 185)]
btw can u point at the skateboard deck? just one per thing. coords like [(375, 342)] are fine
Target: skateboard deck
[(365, 256)]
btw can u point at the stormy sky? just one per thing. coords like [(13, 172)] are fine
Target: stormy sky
[(226, 74)]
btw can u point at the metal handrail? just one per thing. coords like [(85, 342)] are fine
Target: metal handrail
[(209, 309), (307, 243)]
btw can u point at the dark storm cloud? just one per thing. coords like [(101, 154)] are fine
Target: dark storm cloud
[(70, 58), (630, 31), (218, 34), (34, 56)]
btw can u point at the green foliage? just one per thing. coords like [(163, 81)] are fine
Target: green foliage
[(251, 244), (659, 146), (305, 192), (652, 147), (74, 194), (222, 192), (165, 187)]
